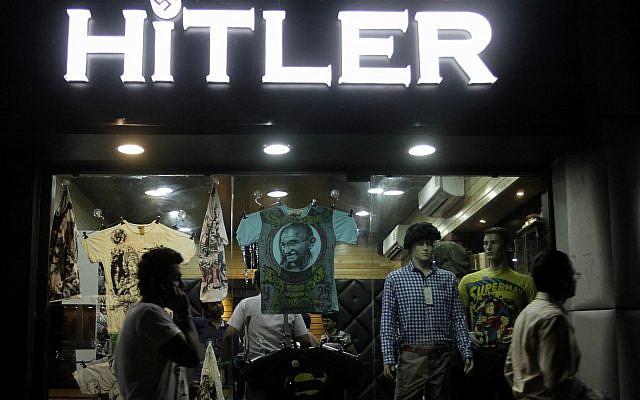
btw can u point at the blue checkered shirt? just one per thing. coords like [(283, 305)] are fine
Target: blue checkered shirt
[(407, 319)]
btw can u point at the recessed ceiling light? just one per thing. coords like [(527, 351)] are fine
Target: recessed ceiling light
[(158, 192), (362, 213), (277, 193), (375, 190), (520, 193), (276, 149), (393, 192), (178, 214), (184, 229), (130, 149), (482, 221), (422, 150)]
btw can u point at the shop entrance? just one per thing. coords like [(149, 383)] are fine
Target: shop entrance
[(381, 208)]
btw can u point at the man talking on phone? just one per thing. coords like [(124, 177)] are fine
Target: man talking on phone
[(158, 333)]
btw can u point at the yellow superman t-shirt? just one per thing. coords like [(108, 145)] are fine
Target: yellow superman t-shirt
[(493, 300)]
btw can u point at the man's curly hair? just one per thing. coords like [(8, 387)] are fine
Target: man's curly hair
[(420, 231)]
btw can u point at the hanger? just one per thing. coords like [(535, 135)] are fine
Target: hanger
[(214, 185), (257, 195), (279, 202), (157, 220), (334, 194)]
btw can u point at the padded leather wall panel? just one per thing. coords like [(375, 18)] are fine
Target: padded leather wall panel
[(628, 350), (596, 335), (360, 306)]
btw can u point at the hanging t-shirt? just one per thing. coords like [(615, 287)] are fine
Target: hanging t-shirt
[(296, 251), (493, 300), (211, 258), (119, 249), (64, 278)]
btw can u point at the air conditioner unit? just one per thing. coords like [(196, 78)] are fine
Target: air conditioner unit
[(440, 194), (392, 245)]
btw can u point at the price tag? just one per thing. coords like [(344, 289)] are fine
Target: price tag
[(428, 295)]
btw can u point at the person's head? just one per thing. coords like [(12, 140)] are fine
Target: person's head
[(495, 244), (296, 242), (213, 310), (329, 321), (452, 257), (553, 273), (159, 269), (419, 241)]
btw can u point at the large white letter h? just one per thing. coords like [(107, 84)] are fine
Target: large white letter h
[(80, 44)]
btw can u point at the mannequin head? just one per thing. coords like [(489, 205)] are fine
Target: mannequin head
[(495, 244), (419, 241)]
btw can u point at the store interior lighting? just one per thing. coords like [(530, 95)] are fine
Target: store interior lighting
[(159, 192), (277, 193), (276, 149), (422, 150), (130, 149)]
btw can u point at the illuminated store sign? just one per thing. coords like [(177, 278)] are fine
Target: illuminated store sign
[(464, 51)]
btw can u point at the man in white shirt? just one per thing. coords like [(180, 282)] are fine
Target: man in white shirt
[(153, 341), (543, 357), (263, 333)]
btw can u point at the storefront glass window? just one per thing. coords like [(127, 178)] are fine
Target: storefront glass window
[(381, 208)]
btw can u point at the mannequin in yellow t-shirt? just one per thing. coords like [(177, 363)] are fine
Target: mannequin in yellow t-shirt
[(493, 297)]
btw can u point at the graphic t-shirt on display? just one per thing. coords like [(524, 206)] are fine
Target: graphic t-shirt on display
[(493, 300), (296, 252), (119, 249)]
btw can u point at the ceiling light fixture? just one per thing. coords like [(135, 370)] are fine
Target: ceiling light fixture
[(520, 193), (393, 192), (158, 192), (131, 149), (178, 214), (277, 193), (362, 213), (184, 229), (482, 221), (375, 190), (422, 150), (276, 149)]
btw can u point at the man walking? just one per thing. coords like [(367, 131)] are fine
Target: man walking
[(543, 358)]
